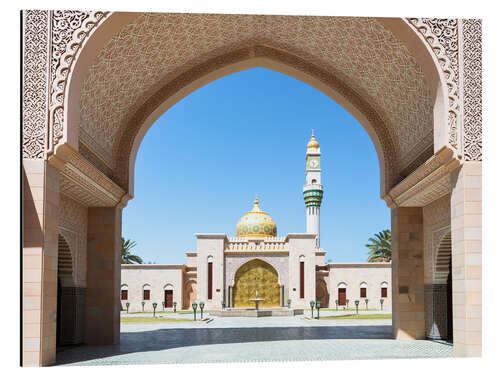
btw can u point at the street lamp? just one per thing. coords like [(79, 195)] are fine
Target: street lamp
[(337, 304), (127, 304), (143, 303), (175, 306), (154, 309), (312, 303), (318, 305), (357, 304), (381, 304), (366, 301), (195, 305), (288, 302), (202, 305)]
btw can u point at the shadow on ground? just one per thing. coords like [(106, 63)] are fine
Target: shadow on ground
[(170, 338)]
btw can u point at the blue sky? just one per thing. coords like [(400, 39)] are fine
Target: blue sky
[(202, 162)]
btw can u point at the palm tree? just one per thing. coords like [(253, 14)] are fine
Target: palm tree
[(380, 247), (127, 257)]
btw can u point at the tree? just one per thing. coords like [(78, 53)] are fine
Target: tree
[(380, 247), (127, 257)]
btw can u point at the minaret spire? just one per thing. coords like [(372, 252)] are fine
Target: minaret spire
[(313, 190)]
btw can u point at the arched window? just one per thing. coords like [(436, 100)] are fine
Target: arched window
[(210, 271), (383, 289), (342, 292), (124, 292), (362, 290), (313, 181), (146, 292), (302, 287)]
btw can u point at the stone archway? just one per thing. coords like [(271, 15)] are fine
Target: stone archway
[(256, 275), (83, 124), (69, 320), (190, 294)]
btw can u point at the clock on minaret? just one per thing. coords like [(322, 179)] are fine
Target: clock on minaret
[(313, 189)]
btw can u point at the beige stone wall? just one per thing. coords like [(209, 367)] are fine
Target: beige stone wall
[(210, 245), (302, 244), (157, 276), (353, 274)]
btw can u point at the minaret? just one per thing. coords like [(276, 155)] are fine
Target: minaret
[(313, 190)]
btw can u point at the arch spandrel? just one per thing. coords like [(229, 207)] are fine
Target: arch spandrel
[(113, 104)]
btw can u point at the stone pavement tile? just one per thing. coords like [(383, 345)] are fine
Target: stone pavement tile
[(253, 339)]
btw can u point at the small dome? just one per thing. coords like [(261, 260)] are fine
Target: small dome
[(313, 143), (256, 224)]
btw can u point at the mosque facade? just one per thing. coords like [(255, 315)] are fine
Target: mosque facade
[(290, 271)]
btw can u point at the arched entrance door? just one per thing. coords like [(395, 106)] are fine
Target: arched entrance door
[(66, 332), (322, 293), (256, 275), (442, 306), (189, 294)]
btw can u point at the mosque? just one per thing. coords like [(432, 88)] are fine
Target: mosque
[(287, 271)]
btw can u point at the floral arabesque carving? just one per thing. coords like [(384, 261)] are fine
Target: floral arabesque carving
[(442, 36), (69, 30), (35, 82), (472, 89)]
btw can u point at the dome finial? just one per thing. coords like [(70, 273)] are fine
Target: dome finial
[(313, 143), (256, 207)]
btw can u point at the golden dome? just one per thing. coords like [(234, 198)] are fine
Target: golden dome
[(256, 224), (313, 143)]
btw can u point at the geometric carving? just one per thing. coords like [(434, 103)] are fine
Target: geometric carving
[(35, 82), (472, 82), (73, 226), (133, 66), (442, 35)]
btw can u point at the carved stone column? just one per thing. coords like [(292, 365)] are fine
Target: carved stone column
[(40, 234), (466, 234)]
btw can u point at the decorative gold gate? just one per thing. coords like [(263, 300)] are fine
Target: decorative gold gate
[(256, 275)]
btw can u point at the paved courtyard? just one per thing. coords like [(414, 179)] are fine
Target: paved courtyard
[(253, 339)]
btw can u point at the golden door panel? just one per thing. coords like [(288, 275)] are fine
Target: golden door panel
[(256, 275)]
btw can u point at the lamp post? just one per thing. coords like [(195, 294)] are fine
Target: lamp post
[(127, 304), (143, 303), (154, 309), (347, 303), (175, 306), (288, 302), (163, 305), (381, 304), (357, 304), (312, 303), (337, 304), (195, 305), (318, 305), (202, 305), (366, 301)]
